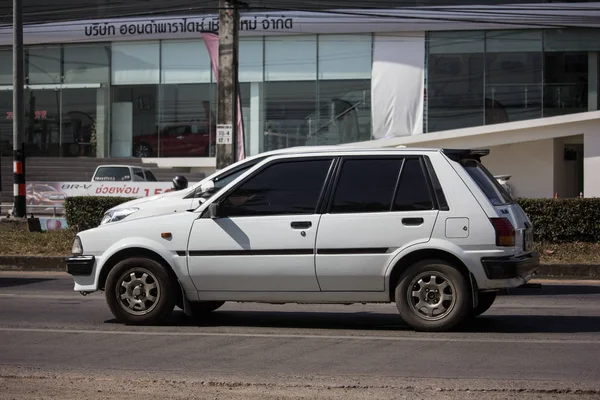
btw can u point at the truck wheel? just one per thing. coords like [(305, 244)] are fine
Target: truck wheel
[(486, 299), (202, 308), (432, 295), (139, 291)]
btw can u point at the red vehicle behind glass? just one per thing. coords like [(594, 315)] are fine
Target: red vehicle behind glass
[(179, 139)]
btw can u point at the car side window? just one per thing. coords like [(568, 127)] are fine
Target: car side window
[(139, 174), (366, 185), (283, 188), (413, 193), (150, 177)]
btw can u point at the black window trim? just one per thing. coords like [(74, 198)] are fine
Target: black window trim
[(326, 209), (439, 197), (434, 203), (326, 183)]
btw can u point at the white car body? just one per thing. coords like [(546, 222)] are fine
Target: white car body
[(329, 258)]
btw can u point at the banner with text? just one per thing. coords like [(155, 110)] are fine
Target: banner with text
[(51, 195)]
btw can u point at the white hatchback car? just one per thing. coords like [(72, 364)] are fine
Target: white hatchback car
[(428, 229)]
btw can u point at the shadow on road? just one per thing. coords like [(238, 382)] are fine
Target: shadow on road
[(368, 321), (556, 290), (10, 282)]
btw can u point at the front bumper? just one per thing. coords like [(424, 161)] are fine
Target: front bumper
[(80, 265), (511, 267)]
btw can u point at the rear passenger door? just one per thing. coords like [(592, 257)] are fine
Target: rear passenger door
[(377, 206)]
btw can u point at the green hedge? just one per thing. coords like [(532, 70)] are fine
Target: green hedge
[(86, 212), (564, 220)]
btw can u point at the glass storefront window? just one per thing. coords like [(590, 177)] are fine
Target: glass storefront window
[(6, 63), (290, 90), (6, 123), (455, 70), (86, 63), (134, 118), (513, 90), (44, 65), (188, 123), (185, 61), (135, 63), (344, 90), (291, 58), (42, 124), (250, 59)]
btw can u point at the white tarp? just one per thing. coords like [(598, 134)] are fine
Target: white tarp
[(397, 85)]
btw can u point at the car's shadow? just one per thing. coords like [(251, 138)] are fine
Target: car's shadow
[(369, 321), (12, 282), (490, 322), (555, 290)]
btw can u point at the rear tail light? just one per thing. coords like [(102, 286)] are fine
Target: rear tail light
[(505, 232)]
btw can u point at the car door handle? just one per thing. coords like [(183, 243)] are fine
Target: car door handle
[(412, 221), (301, 225)]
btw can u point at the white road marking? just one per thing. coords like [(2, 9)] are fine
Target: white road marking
[(313, 337)]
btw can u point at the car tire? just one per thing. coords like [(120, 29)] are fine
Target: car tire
[(433, 296), (203, 308), (140, 291), (486, 300), (141, 150)]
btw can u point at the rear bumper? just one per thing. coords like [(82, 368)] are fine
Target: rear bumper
[(80, 266), (511, 267)]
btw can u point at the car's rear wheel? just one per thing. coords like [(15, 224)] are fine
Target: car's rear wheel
[(486, 300), (139, 291), (432, 295)]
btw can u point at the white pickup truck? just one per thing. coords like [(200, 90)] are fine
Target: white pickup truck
[(122, 173)]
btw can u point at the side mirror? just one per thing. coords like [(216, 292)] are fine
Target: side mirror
[(207, 187), (214, 210)]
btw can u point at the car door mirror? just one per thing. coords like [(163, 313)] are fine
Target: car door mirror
[(214, 210), (207, 187)]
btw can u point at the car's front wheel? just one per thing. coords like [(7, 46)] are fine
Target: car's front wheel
[(139, 291), (432, 295)]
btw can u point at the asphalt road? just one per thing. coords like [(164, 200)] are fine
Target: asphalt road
[(534, 343)]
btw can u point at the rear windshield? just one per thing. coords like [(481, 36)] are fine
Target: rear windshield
[(112, 174), (487, 183)]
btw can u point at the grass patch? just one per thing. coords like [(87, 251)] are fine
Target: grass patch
[(55, 243), (58, 243)]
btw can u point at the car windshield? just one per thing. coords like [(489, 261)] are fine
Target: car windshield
[(112, 174), (487, 183)]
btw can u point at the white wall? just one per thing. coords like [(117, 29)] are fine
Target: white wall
[(531, 165), (591, 164)]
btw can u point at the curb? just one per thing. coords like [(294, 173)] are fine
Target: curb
[(54, 264)]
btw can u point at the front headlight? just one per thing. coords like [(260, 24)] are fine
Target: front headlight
[(117, 215), (77, 248)]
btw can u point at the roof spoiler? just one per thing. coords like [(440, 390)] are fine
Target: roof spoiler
[(461, 154)]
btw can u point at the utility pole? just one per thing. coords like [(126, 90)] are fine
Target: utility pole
[(19, 208), (227, 86)]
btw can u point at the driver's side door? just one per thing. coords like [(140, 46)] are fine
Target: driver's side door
[(263, 239)]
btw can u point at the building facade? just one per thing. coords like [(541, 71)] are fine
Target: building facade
[(143, 87)]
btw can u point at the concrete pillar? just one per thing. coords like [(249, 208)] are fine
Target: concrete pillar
[(101, 117), (257, 120), (592, 81)]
